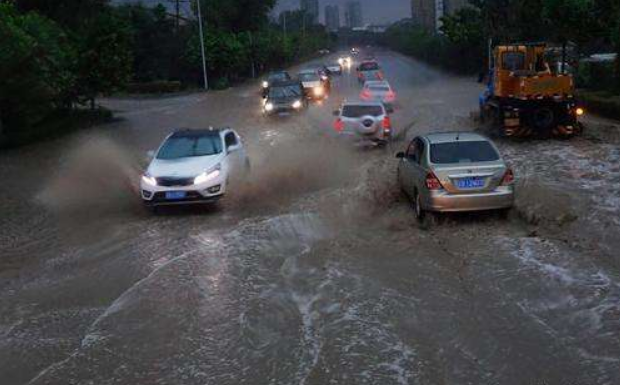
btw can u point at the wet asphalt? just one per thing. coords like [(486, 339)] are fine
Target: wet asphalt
[(314, 270)]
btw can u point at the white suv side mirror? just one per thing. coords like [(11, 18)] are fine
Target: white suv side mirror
[(234, 148), (150, 154)]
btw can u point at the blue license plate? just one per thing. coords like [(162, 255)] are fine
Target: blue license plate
[(470, 183), (175, 195)]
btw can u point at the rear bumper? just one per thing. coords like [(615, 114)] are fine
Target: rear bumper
[(443, 201), (365, 140)]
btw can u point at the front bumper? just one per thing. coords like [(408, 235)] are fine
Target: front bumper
[(283, 110), (442, 201), (207, 192), (313, 94)]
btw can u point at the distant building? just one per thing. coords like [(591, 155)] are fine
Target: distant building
[(311, 7), (332, 18), (353, 14), (375, 28), (428, 13)]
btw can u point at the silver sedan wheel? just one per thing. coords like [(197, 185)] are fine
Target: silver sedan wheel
[(417, 206)]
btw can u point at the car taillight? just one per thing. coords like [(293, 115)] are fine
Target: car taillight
[(365, 94), (432, 182), (339, 125), (509, 178), (387, 123), (380, 75), (391, 95)]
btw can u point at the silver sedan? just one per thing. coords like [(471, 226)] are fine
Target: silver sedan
[(457, 171)]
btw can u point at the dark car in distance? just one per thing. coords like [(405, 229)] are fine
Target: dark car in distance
[(284, 97), (274, 77)]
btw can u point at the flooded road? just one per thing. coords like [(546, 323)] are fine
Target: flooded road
[(314, 271)]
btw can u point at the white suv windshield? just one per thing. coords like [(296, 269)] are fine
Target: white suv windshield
[(189, 146)]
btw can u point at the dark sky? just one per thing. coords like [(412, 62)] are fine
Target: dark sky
[(374, 11)]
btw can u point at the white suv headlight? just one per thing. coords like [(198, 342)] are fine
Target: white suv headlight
[(269, 106), (265, 84), (297, 104), (151, 181), (208, 175)]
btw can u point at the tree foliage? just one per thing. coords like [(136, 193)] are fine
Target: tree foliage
[(235, 15), (589, 24), (37, 67), (105, 57)]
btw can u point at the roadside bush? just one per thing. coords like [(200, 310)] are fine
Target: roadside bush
[(602, 103), (57, 123), (595, 75), (154, 87), (434, 49), (220, 83)]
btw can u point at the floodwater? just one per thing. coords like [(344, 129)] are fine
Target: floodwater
[(314, 270)]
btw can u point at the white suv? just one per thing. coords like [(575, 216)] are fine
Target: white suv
[(193, 166), (364, 122)]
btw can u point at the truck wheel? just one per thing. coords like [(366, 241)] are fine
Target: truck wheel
[(544, 120)]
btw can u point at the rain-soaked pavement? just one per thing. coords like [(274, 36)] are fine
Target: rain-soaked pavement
[(315, 271)]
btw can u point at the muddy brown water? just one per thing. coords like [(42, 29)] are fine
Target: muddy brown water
[(314, 271)]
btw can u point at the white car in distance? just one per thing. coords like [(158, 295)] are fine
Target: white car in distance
[(193, 167), (379, 90)]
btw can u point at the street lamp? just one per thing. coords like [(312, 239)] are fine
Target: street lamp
[(202, 47)]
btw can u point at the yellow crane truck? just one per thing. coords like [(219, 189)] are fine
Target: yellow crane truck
[(524, 97)]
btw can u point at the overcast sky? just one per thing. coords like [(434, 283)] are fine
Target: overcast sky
[(374, 11)]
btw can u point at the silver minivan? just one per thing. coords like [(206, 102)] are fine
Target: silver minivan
[(455, 171)]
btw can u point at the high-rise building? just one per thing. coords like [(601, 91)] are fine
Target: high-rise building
[(332, 18), (353, 14), (311, 7), (428, 13)]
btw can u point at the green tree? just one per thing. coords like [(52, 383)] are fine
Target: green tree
[(68, 13), (157, 45), (236, 15), (464, 27), (226, 55), (105, 57), (570, 20), (37, 64)]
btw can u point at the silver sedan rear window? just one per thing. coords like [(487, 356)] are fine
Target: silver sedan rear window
[(463, 152)]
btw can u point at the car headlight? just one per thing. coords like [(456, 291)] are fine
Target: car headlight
[(341, 61), (269, 106), (318, 91), (265, 84), (208, 175), (151, 181), (297, 104)]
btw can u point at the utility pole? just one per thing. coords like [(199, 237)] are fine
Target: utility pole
[(252, 54), (178, 13), (202, 47)]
